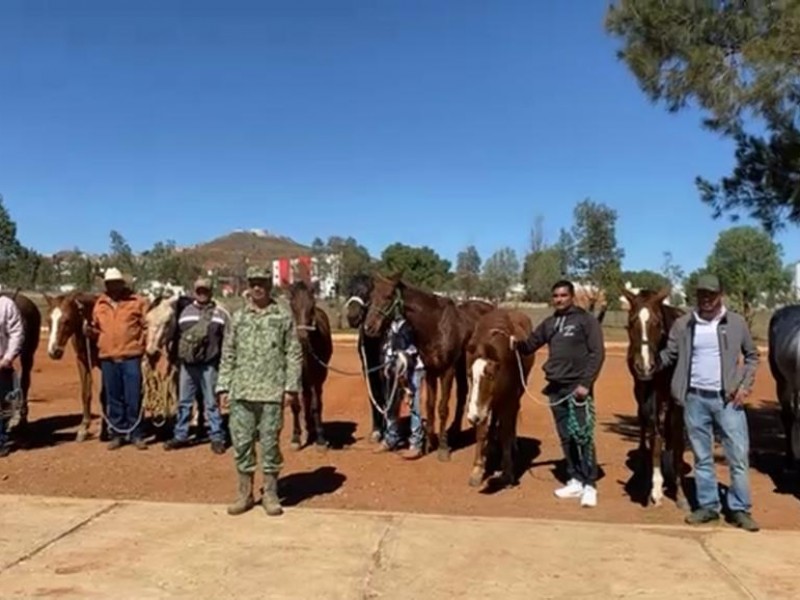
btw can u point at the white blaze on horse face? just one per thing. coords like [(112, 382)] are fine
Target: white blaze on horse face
[(644, 317), (473, 410), (55, 319), (657, 491)]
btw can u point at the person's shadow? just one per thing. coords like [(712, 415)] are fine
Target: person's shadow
[(299, 487)]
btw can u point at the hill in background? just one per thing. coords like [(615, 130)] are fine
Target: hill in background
[(260, 247)]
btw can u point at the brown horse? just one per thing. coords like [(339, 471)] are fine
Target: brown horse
[(496, 386), (649, 322), (31, 327), (591, 298), (67, 317), (442, 331), (314, 331)]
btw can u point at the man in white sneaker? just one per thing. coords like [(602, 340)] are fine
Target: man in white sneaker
[(576, 354)]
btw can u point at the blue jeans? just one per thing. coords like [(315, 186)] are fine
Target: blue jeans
[(122, 381), (702, 414), (192, 378), (392, 437)]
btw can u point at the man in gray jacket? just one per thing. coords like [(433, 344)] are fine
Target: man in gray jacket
[(705, 346)]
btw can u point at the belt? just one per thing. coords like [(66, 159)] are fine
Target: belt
[(705, 393)]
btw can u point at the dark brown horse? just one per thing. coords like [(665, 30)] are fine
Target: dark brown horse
[(442, 331), (31, 327), (660, 417), (314, 331), (68, 314)]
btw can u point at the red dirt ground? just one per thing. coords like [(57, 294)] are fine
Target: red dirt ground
[(354, 478)]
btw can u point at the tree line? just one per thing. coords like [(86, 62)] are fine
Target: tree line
[(746, 259)]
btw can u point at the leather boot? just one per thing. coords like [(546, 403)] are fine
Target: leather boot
[(244, 501), (270, 500)]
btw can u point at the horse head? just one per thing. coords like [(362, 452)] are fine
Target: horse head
[(484, 364), (647, 330), (358, 293), (384, 300), (66, 316), (303, 305)]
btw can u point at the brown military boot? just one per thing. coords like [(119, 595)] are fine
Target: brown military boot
[(245, 500), (270, 500)]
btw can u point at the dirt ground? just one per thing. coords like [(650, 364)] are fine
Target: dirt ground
[(350, 476)]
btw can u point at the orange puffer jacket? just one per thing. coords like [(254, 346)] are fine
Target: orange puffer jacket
[(121, 328)]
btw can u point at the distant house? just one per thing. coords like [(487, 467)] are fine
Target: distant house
[(323, 272)]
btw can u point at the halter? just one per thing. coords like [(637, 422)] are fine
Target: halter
[(395, 306)]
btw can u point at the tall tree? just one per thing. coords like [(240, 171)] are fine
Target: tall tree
[(468, 271), (735, 60), (121, 254), (542, 269), (500, 272), (676, 276), (421, 266), (749, 265), (645, 279), (596, 256)]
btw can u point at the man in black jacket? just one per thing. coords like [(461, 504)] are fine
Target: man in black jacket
[(576, 354)]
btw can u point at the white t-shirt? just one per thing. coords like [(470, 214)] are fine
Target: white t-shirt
[(706, 373)]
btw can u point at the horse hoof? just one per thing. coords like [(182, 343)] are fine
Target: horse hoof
[(321, 447), (475, 480), (683, 504), (295, 446), (81, 436), (443, 454)]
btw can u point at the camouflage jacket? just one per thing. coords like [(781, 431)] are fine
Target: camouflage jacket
[(261, 355)]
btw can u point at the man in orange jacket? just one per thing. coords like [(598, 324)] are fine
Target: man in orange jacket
[(118, 324)]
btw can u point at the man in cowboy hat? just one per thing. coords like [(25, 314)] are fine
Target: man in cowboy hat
[(259, 374), (201, 329), (118, 324)]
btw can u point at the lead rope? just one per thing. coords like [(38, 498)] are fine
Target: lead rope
[(582, 434)]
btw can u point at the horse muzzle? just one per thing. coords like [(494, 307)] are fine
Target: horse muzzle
[(56, 353)]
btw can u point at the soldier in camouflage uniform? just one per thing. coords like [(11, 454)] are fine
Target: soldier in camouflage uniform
[(259, 374)]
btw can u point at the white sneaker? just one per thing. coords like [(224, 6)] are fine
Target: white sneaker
[(589, 497), (573, 489)]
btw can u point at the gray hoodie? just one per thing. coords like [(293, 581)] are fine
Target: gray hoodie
[(735, 341)]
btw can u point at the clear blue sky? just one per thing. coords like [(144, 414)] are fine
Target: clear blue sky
[(439, 122)]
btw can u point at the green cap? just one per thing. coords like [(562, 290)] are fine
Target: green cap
[(708, 283), (258, 273)]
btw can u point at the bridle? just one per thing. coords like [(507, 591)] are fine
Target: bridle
[(393, 308)]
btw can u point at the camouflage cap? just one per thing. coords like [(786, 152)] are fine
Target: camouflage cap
[(708, 283), (259, 273)]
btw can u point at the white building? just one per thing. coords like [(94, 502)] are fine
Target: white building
[(322, 271)]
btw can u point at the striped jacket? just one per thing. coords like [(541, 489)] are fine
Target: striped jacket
[(216, 330)]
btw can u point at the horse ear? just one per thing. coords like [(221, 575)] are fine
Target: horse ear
[(662, 295), (397, 277), (629, 295), (49, 300)]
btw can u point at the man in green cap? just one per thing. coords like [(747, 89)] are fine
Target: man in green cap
[(259, 374), (705, 346)]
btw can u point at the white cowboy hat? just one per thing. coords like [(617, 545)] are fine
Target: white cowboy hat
[(113, 274)]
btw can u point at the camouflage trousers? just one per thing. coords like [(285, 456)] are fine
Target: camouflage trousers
[(251, 421)]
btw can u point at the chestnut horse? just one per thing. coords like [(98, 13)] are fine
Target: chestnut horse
[(67, 316), (442, 331), (649, 322), (496, 387), (314, 331), (31, 327)]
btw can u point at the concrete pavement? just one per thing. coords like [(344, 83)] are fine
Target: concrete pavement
[(87, 549)]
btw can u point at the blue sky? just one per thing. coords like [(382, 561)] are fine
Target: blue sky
[(439, 122)]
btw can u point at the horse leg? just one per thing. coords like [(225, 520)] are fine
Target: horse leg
[(461, 398), (430, 406), (657, 445), (85, 376), (507, 431), (26, 367), (444, 409), (295, 443), (316, 411), (479, 463)]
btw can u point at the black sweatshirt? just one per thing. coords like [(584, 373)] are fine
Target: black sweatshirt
[(576, 346)]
